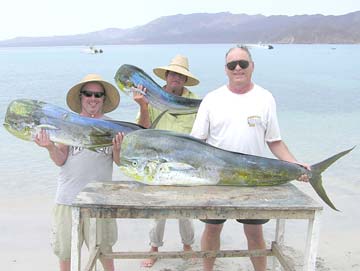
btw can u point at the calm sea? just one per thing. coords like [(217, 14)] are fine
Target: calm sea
[(316, 87)]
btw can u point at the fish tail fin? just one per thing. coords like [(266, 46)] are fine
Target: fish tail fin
[(316, 183), (316, 179)]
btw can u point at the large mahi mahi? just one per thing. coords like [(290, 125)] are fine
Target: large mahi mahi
[(159, 157), (25, 118), (129, 76)]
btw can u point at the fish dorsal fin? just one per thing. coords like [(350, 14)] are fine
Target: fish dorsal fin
[(156, 121)]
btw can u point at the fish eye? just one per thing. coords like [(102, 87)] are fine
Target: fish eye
[(129, 83), (134, 163)]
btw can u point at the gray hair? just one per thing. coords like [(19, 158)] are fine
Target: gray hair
[(242, 47)]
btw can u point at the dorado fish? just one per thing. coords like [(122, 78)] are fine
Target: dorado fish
[(25, 118), (159, 157), (128, 77)]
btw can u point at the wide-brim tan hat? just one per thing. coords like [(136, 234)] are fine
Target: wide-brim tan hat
[(112, 96), (179, 64)]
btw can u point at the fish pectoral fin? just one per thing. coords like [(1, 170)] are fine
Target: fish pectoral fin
[(47, 127), (175, 166), (137, 90)]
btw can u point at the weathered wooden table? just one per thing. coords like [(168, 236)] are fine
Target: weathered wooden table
[(134, 200)]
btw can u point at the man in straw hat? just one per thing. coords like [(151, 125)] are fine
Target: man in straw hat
[(177, 76), (91, 97)]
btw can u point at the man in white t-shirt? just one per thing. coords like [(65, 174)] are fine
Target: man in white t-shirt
[(240, 117)]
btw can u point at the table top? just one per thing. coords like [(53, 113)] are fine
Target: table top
[(135, 200)]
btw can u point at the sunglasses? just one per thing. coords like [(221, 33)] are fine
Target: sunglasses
[(88, 93), (242, 63)]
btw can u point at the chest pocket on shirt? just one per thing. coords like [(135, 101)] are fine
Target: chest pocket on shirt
[(254, 121)]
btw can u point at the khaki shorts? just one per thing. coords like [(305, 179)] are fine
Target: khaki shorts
[(61, 232)]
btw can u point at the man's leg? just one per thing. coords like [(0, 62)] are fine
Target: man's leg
[(61, 235), (255, 239), (64, 265), (106, 232), (210, 240), (108, 264), (156, 240), (186, 228)]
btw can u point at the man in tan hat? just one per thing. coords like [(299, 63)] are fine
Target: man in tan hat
[(91, 97), (177, 76)]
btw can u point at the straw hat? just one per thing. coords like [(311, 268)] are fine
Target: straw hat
[(112, 96), (180, 65)]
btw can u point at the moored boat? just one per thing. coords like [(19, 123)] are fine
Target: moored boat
[(92, 50), (258, 45)]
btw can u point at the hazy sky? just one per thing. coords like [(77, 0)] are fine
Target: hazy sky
[(65, 17)]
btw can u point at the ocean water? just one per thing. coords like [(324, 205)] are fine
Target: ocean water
[(316, 88)]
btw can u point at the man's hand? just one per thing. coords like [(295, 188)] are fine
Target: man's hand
[(304, 177), (138, 96), (116, 144), (42, 139)]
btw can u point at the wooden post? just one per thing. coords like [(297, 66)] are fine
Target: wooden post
[(312, 240), (75, 240), (279, 239)]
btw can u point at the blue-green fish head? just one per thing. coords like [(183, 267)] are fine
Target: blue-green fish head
[(140, 169), (136, 162), (22, 132), (18, 119), (123, 78)]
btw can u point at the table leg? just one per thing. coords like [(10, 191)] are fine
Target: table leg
[(75, 240), (94, 242), (279, 239), (312, 241)]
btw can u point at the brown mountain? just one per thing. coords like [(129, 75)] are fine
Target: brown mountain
[(222, 27)]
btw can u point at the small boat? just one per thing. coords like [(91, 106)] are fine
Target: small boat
[(258, 45), (92, 50)]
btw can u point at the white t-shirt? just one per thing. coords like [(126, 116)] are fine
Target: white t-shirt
[(81, 167), (238, 122)]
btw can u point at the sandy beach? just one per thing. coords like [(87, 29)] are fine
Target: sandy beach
[(25, 231)]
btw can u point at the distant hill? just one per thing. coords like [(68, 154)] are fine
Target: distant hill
[(221, 27)]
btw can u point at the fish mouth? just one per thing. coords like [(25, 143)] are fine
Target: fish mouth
[(131, 172), (143, 172), (22, 134)]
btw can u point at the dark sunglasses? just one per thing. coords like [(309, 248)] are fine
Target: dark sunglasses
[(242, 63), (88, 93)]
